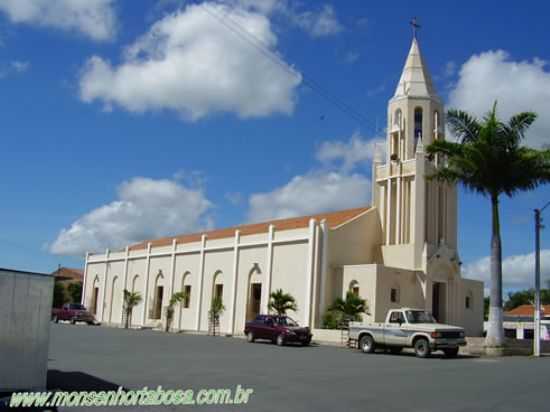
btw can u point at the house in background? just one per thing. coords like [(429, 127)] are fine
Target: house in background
[(68, 285), (518, 322), (400, 251)]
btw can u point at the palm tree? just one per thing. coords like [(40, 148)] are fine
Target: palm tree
[(131, 299), (280, 302), (488, 158), (350, 308), (176, 299), (216, 309)]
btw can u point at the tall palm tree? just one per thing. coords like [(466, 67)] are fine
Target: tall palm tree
[(488, 158), (350, 308), (131, 299), (280, 302), (176, 299)]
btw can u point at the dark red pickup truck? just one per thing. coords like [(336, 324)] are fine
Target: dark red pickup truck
[(73, 312)]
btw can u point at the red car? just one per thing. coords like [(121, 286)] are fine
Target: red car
[(278, 329), (73, 312)]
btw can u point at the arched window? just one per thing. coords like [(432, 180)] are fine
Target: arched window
[(354, 287), (158, 297), (436, 121), (95, 295), (186, 288), (397, 118), (134, 282), (418, 124), (217, 286)]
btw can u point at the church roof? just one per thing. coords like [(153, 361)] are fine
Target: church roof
[(415, 79), (333, 220)]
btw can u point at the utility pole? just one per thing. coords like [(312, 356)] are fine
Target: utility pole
[(536, 317)]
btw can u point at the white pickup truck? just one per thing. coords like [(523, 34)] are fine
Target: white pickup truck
[(406, 327)]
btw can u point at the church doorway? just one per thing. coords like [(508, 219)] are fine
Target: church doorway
[(439, 295), (254, 299)]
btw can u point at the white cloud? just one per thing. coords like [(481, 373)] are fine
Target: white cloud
[(95, 19), (317, 23), (517, 85), (13, 68), (351, 57), (310, 193), (191, 63), (517, 271), (351, 153), (20, 66), (145, 208), (331, 186)]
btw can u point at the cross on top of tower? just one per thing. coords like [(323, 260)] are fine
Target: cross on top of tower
[(415, 26)]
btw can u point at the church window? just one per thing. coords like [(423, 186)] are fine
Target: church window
[(187, 300), (418, 124)]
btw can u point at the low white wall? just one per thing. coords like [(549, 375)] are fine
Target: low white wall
[(25, 311)]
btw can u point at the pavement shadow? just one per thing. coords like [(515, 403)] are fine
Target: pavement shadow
[(78, 381)]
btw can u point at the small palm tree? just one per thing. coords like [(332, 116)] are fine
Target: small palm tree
[(216, 309), (350, 308), (489, 159), (131, 299), (280, 302), (176, 299)]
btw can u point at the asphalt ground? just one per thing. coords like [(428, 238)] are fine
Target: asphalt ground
[(315, 378)]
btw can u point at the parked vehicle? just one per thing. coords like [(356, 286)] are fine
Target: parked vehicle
[(278, 329), (73, 312), (412, 328)]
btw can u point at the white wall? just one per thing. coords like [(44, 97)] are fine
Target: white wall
[(25, 310), (290, 275), (473, 317)]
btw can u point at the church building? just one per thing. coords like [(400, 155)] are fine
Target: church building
[(401, 251)]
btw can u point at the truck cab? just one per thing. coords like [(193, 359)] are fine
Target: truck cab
[(408, 327)]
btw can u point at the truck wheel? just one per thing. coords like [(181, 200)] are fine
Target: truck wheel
[(280, 341), (250, 337), (366, 344), (451, 352), (422, 348)]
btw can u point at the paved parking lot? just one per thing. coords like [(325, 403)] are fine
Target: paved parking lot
[(293, 379)]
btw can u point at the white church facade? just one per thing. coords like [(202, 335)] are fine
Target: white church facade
[(402, 251)]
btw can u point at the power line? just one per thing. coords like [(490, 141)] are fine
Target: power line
[(259, 45)]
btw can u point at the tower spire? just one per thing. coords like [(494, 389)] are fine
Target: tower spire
[(415, 79)]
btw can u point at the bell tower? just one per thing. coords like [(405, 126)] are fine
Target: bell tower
[(417, 215)]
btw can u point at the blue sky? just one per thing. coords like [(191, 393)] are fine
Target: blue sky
[(97, 134)]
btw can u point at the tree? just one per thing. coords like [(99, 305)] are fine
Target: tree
[(350, 308), (280, 302), (59, 295), (176, 299), (526, 297), (75, 291), (488, 159), (216, 309), (131, 299)]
